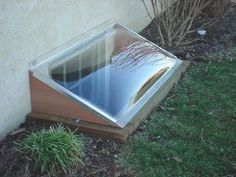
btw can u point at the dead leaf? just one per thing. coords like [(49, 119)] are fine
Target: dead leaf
[(177, 159), (162, 107)]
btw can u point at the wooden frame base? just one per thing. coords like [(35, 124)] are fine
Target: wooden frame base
[(109, 132)]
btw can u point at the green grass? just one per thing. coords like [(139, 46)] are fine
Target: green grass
[(195, 135), (52, 150)]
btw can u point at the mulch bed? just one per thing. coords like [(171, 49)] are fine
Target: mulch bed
[(100, 159), (101, 155)]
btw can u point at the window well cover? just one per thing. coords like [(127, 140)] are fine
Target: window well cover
[(112, 71)]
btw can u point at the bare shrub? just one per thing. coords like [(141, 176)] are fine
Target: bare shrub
[(174, 19)]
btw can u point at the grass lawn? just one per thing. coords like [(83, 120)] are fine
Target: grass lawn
[(194, 134)]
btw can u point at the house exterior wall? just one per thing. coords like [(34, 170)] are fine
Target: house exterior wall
[(29, 28)]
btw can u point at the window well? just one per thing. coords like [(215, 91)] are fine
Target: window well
[(110, 72)]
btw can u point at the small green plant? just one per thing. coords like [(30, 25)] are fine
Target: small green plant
[(52, 149)]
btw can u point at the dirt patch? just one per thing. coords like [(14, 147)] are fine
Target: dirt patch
[(101, 155)]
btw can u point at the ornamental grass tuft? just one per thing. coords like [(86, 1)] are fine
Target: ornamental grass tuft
[(52, 150)]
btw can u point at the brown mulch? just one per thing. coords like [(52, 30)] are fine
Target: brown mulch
[(101, 155), (100, 159)]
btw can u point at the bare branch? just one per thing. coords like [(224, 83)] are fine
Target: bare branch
[(176, 19)]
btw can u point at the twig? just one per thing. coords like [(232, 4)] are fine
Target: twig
[(145, 5)]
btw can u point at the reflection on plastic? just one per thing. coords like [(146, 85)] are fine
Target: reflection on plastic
[(113, 75)]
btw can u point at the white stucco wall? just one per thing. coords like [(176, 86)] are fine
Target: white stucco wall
[(29, 28)]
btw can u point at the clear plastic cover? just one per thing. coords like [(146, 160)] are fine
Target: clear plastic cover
[(113, 72)]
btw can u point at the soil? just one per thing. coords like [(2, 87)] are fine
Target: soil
[(101, 155)]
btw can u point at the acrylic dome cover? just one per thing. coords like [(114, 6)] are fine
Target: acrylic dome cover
[(110, 70)]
